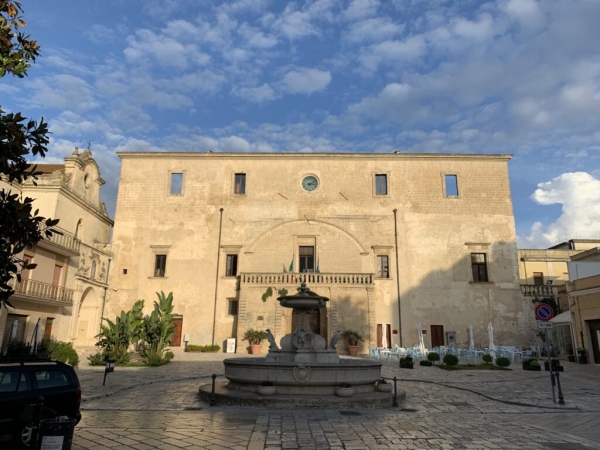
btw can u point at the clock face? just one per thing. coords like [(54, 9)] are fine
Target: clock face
[(310, 183)]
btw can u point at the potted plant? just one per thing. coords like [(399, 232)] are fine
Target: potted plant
[(406, 362), (581, 356), (532, 364), (344, 390), (352, 337), (384, 386), (556, 367), (255, 338), (266, 388), (433, 357)]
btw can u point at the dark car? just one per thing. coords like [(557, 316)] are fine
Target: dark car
[(24, 384)]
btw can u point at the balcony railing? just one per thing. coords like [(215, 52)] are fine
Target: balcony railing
[(539, 291), (65, 240), (308, 278), (44, 291)]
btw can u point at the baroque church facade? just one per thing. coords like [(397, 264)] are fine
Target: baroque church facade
[(401, 244)]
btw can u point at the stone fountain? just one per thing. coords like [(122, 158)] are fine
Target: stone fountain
[(304, 368)]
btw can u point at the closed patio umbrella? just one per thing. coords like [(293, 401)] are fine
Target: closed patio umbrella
[(471, 341), (34, 337), (384, 342), (421, 341), (491, 336)]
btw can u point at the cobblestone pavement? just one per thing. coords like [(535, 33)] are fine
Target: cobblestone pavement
[(147, 408)]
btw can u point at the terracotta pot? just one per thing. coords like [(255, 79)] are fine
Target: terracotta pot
[(353, 350), (266, 390), (255, 349), (385, 387), (344, 392)]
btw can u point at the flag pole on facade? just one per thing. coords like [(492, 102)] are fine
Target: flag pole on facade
[(284, 270), (292, 264)]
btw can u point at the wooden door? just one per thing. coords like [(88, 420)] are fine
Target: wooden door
[(314, 320), (437, 335), (178, 325), (595, 335), (48, 328)]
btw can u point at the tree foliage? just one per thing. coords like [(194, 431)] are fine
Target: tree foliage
[(20, 225)]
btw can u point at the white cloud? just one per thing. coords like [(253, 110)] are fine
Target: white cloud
[(305, 80), (257, 94), (359, 9), (579, 195), (373, 30), (392, 52), (63, 92)]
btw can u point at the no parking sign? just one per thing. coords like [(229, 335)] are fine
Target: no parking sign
[(544, 312)]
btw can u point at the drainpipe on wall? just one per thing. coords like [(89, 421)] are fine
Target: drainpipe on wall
[(217, 277), (105, 293), (398, 278)]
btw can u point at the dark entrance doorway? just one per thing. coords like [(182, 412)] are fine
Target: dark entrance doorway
[(437, 335), (307, 258), (178, 325), (314, 320), (595, 335)]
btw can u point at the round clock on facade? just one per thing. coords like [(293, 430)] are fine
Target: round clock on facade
[(310, 183)]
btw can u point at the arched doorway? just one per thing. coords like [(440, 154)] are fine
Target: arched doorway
[(87, 326), (317, 318)]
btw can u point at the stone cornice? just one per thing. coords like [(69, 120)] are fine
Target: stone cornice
[(307, 156)]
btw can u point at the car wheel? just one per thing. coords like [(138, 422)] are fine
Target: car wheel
[(26, 437)]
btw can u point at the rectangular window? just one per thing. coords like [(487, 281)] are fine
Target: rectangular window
[(307, 258), (51, 379), (233, 308), (381, 187), (160, 264), (383, 266), (240, 183), (451, 185), (232, 262), (479, 266), (176, 183), (538, 278)]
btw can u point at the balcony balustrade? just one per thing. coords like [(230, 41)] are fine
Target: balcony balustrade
[(64, 244), (37, 290), (539, 291), (309, 278)]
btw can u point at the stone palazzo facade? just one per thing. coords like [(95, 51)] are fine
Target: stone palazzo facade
[(393, 240)]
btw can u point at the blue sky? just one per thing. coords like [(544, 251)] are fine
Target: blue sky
[(505, 76)]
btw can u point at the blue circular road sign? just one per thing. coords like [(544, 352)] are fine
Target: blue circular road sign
[(544, 312)]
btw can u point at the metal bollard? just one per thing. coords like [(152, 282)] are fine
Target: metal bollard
[(561, 399), (395, 393), (212, 394)]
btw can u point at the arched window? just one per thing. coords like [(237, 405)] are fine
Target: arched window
[(93, 270)]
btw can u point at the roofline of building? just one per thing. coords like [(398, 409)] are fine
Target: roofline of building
[(585, 253), (211, 154), (575, 241)]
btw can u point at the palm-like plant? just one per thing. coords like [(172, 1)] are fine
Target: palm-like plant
[(157, 329), (116, 337)]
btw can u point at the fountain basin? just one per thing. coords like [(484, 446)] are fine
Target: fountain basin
[(246, 374)]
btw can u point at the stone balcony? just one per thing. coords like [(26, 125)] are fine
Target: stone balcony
[(310, 279), (531, 290), (43, 293), (64, 243)]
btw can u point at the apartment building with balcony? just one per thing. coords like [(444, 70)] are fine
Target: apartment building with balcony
[(393, 240), (66, 290)]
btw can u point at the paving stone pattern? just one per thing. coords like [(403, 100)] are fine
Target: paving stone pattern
[(158, 408)]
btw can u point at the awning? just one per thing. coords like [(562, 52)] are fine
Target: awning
[(562, 318)]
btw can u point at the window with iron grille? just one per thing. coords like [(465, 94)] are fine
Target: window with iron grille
[(479, 267), (233, 308), (160, 264), (383, 266), (232, 263), (240, 183), (381, 187)]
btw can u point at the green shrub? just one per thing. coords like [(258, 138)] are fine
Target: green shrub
[(97, 359), (57, 350), (433, 357), (154, 360), (487, 359), (502, 362), (169, 355), (194, 348), (450, 360), (18, 349)]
